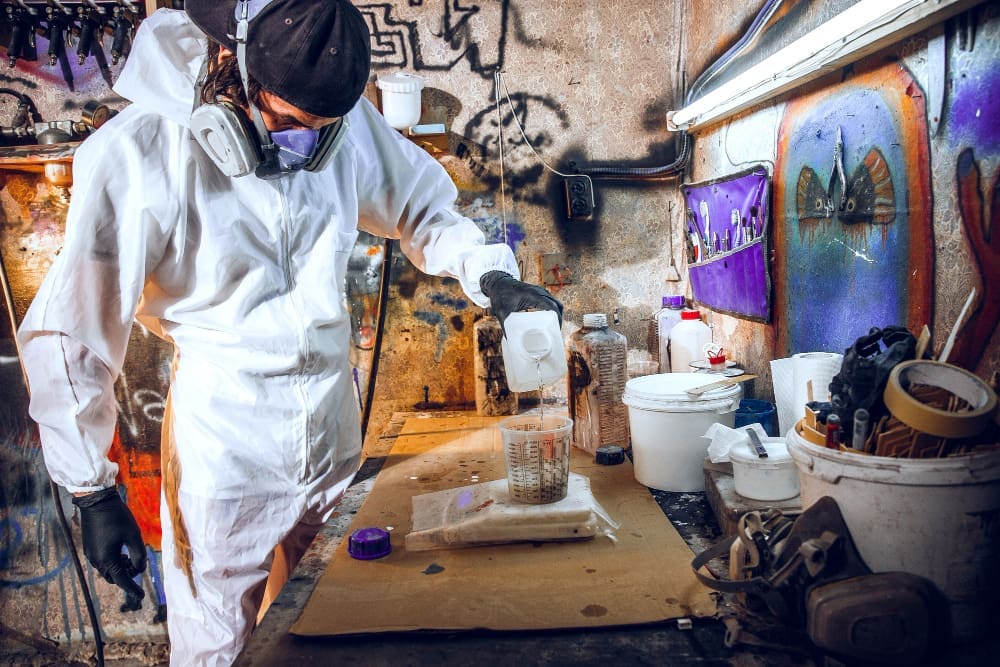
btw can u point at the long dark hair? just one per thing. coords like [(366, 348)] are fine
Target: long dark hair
[(222, 80)]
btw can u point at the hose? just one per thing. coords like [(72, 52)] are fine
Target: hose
[(95, 621), (383, 301)]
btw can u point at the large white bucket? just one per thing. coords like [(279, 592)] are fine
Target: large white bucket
[(667, 425), (937, 518)]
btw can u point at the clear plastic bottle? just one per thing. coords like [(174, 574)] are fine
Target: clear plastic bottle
[(668, 317), (653, 332), (598, 371), (533, 350), (493, 395), (687, 341)]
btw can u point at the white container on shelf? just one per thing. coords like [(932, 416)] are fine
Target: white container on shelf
[(687, 341), (666, 426), (401, 98), (773, 477), (668, 317), (533, 351)]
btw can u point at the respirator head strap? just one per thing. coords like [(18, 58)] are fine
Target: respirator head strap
[(269, 166)]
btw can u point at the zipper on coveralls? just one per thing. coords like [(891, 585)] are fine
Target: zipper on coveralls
[(285, 233)]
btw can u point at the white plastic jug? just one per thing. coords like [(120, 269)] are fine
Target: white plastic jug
[(533, 351), (687, 341)]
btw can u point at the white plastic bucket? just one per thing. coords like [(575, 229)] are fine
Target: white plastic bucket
[(937, 518), (667, 425)]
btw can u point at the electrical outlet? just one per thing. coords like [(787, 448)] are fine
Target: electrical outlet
[(579, 197)]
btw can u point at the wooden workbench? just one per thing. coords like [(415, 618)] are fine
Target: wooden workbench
[(693, 641)]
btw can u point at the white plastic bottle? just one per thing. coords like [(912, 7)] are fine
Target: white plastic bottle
[(597, 377), (687, 341), (666, 320), (533, 352)]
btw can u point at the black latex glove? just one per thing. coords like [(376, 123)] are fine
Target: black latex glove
[(107, 525), (507, 295)]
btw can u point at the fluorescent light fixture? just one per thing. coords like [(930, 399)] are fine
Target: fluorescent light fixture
[(858, 31)]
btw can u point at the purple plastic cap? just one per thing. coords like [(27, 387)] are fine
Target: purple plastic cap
[(676, 301), (369, 544)]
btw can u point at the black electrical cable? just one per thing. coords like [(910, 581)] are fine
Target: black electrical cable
[(26, 109), (95, 622), (383, 301), (675, 168), (644, 174)]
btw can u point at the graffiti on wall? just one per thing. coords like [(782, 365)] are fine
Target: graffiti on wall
[(441, 35), (852, 212), (437, 34), (974, 133)]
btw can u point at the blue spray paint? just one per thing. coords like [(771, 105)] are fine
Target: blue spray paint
[(436, 320), (972, 118)]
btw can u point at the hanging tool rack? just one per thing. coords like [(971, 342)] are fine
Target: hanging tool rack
[(56, 31)]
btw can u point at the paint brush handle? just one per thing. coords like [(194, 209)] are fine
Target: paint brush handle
[(712, 386)]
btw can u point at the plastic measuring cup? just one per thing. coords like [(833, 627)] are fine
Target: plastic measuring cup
[(536, 449)]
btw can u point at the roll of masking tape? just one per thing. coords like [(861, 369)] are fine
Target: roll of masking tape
[(981, 398)]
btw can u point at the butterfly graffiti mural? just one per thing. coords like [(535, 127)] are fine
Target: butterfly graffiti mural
[(852, 213), (867, 198)]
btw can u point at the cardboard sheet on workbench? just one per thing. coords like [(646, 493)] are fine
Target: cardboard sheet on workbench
[(644, 576)]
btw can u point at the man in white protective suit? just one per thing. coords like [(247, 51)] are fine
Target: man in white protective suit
[(224, 222)]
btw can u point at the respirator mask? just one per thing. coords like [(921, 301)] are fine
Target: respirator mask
[(808, 574), (239, 145)]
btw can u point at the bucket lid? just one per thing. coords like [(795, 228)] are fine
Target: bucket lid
[(777, 453), (667, 392), (400, 82)]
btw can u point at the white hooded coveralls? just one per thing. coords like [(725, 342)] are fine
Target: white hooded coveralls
[(245, 278)]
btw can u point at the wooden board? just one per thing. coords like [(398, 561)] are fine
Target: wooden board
[(728, 506), (642, 576)]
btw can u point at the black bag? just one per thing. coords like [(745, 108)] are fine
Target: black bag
[(865, 370)]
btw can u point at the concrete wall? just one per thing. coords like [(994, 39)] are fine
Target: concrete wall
[(590, 83)]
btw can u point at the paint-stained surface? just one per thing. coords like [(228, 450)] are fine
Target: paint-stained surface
[(852, 207)]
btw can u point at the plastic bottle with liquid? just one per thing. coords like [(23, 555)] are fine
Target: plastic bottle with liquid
[(687, 341), (533, 352), (493, 396), (598, 371), (668, 317)]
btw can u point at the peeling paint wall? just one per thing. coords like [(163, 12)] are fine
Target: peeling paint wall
[(589, 83)]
